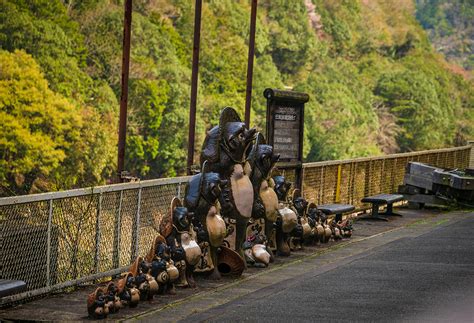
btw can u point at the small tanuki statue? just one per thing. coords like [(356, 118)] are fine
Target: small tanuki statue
[(322, 229), (97, 305), (145, 282), (202, 199), (344, 226), (306, 225), (128, 291), (287, 219), (161, 266), (224, 151), (257, 253), (177, 228), (113, 300)]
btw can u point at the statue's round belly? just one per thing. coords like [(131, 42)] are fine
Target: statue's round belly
[(270, 201), (242, 191)]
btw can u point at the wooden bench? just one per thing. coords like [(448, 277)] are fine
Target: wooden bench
[(337, 209), (10, 287), (377, 201)]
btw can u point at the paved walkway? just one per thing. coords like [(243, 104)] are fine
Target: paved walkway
[(418, 268)]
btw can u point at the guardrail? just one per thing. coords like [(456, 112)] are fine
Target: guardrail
[(57, 240), (348, 181)]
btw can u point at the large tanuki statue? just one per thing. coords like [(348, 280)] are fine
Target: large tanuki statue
[(224, 151), (202, 199), (261, 161)]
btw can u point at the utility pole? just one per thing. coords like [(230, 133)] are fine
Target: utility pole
[(127, 26), (248, 96), (194, 84)]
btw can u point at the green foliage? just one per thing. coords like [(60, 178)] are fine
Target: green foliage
[(375, 83), (339, 119), (39, 126), (450, 27)]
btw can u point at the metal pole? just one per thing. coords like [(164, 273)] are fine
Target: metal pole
[(194, 84), (248, 96), (48, 250), (471, 154), (127, 26), (118, 221), (97, 234), (136, 229)]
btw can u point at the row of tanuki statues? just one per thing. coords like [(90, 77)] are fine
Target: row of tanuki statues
[(234, 185)]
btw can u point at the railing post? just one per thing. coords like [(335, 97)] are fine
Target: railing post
[(394, 167), (302, 181), (179, 191), (118, 220), (368, 170), (97, 234), (352, 179), (321, 187), (382, 170), (136, 229), (471, 153), (338, 184), (48, 250)]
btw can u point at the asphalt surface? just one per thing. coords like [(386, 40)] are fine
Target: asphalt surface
[(427, 277)]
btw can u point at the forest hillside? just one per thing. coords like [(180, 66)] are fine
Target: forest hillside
[(376, 83)]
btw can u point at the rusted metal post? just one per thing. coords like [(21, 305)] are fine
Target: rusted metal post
[(127, 26), (248, 95), (194, 84)]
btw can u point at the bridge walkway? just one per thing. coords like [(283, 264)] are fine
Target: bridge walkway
[(380, 273)]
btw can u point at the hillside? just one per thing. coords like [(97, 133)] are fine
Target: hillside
[(376, 84), (450, 27)]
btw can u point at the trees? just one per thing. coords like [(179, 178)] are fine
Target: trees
[(39, 126), (375, 83)]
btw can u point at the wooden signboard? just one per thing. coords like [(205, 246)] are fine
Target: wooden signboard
[(285, 123)]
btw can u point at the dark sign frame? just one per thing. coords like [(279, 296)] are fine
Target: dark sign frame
[(285, 113)]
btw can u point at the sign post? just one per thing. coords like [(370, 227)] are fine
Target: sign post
[(285, 124)]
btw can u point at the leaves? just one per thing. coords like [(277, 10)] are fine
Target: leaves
[(375, 83)]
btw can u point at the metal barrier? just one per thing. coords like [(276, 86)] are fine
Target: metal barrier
[(348, 181), (57, 240)]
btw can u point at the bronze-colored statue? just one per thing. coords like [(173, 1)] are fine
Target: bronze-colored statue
[(97, 306), (180, 236), (261, 161), (287, 219), (145, 282), (111, 296), (161, 266), (305, 232), (344, 226), (257, 253), (224, 152), (128, 291), (323, 230), (202, 199)]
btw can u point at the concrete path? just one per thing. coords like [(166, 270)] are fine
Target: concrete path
[(421, 272), (416, 268)]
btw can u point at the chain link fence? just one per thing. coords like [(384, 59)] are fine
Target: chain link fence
[(53, 241), (348, 181), (57, 240)]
